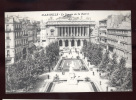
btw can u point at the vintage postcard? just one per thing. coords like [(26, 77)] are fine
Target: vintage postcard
[(68, 51)]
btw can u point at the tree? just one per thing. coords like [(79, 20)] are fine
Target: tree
[(113, 64), (52, 54), (93, 52), (121, 77), (105, 61)]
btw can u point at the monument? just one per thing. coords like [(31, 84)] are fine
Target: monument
[(72, 80)]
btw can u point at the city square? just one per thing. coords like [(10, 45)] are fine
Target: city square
[(68, 53)]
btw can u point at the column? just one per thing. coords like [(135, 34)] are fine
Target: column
[(69, 43), (87, 33), (58, 31), (71, 31), (84, 32), (76, 43), (61, 31), (80, 31), (81, 43), (75, 31), (65, 32), (63, 43)]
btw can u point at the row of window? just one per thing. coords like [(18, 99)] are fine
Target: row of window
[(20, 42), (118, 31), (123, 38), (20, 33), (18, 26), (122, 45)]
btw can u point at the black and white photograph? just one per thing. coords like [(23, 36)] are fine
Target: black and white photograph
[(68, 51)]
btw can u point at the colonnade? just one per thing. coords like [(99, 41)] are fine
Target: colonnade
[(73, 31)]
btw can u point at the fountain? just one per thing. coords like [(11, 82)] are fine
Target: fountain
[(72, 77)]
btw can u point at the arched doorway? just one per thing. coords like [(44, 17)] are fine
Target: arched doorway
[(66, 43), (72, 43), (78, 43), (60, 42)]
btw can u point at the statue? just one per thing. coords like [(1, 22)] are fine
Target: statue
[(72, 77), (71, 67)]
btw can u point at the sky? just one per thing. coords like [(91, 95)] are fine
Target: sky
[(95, 15)]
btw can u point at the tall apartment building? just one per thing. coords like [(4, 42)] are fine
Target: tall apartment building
[(94, 35), (43, 34), (17, 38), (118, 37), (103, 33)]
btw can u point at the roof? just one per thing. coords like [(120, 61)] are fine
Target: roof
[(103, 19), (70, 22), (123, 26)]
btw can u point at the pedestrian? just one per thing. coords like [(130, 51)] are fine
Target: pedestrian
[(107, 88), (48, 76), (97, 70), (99, 74), (93, 73), (100, 82)]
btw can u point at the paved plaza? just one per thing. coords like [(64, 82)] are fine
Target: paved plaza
[(95, 83), (81, 87)]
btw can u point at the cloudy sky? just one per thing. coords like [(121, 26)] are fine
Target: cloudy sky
[(44, 15)]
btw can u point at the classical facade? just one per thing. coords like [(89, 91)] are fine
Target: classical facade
[(69, 33)]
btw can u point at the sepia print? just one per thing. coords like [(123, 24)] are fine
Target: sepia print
[(68, 51)]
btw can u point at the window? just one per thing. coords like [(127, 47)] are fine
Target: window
[(8, 55), (43, 40)]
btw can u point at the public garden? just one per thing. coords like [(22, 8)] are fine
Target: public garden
[(89, 70)]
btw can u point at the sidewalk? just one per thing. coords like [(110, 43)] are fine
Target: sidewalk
[(102, 83)]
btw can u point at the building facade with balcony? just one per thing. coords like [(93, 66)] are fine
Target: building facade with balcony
[(103, 33), (119, 38), (17, 38), (69, 33), (43, 35)]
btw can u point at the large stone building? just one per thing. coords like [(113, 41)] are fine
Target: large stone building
[(103, 33), (70, 32), (20, 34), (117, 36), (43, 36)]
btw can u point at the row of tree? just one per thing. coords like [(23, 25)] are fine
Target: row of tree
[(23, 74), (116, 71), (93, 52)]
